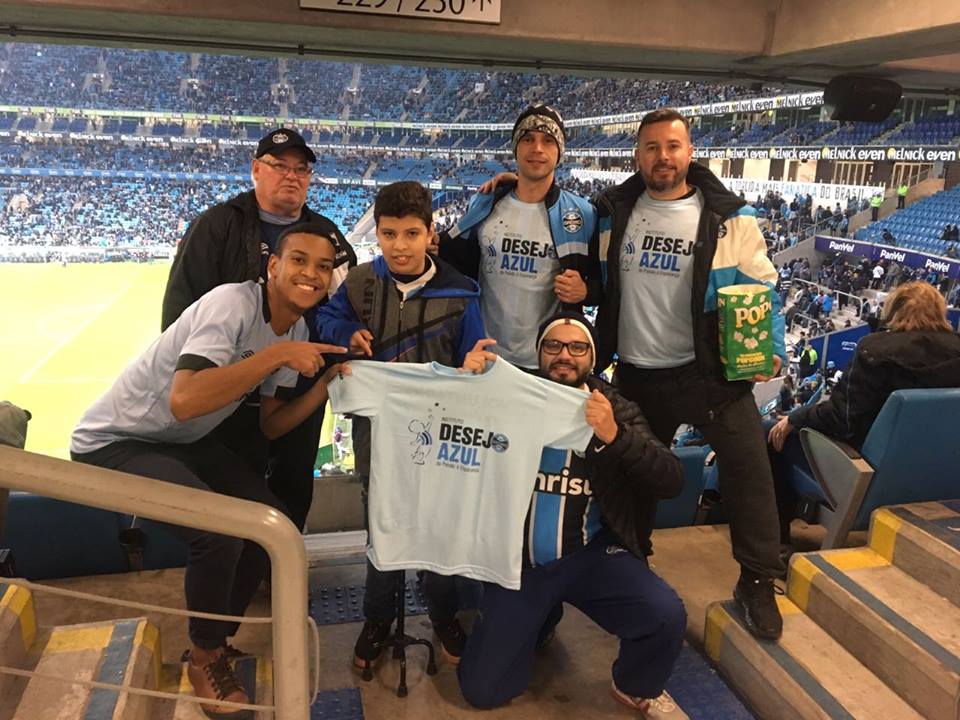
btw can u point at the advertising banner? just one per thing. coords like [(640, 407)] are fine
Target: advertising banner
[(857, 153), (876, 253)]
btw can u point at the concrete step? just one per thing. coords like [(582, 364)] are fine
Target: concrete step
[(254, 672), (807, 675), (121, 652), (18, 631), (923, 540), (905, 633)]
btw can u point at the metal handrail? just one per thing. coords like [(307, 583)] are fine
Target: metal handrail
[(793, 320), (121, 492), (854, 298)]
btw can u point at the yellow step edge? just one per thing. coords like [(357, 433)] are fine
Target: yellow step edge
[(799, 580), (884, 529), (19, 601), (264, 671), (148, 637), (73, 639), (717, 621), (855, 559)]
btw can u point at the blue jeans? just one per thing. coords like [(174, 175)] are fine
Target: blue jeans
[(614, 588)]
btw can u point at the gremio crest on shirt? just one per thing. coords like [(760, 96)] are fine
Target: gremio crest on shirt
[(572, 220)]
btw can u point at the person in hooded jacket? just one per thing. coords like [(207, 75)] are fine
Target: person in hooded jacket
[(917, 349)]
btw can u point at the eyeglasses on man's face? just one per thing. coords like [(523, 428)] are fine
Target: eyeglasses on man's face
[(575, 348), (301, 171)]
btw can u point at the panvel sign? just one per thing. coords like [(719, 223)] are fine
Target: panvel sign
[(875, 253)]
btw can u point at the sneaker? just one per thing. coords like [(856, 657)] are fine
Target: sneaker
[(662, 706), (756, 596), (452, 640), (369, 645), (217, 680)]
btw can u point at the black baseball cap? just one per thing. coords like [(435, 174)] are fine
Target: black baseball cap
[(282, 139)]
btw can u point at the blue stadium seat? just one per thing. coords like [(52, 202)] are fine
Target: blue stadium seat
[(56, 539), (682, 510), (906, 458)]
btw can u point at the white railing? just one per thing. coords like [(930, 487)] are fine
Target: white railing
[(156, 500), (823, 288)]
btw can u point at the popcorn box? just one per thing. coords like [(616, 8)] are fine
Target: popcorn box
[(746, 331)]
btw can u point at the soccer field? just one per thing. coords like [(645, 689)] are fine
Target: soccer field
[(67, 333)]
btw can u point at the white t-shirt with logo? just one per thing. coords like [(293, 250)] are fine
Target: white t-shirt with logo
[(226, 325), (454, 461), (656, 280), (518, 265)]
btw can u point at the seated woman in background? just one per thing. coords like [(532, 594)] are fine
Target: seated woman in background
[(916, 348)]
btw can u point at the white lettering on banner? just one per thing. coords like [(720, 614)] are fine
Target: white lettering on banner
[(938, 265), (848, 345), (798, 100), (842, 246), (475, 11), (921, 154), (892, 255)]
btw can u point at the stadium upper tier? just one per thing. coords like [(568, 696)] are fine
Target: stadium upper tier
[(919, 226), (137, 80)]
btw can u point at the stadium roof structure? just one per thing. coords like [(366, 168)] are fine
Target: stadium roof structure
[(798, 42)]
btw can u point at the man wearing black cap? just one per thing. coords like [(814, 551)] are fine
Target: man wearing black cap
[(527, 242), (231, 242), (586, 538)]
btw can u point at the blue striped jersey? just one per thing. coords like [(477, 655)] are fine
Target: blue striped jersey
[(563, 515)]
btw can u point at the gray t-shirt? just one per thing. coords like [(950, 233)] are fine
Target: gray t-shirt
[(518, 264), (656, 277), (228, 324)]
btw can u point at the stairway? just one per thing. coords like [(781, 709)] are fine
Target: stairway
[(120, 652), (870, 632)]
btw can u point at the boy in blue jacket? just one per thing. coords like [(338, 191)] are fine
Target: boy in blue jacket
[(404, 306)]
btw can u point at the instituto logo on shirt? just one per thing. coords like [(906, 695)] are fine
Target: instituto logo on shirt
[(459, 446)]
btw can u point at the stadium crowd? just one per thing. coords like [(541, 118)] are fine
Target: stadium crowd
[(118, 79)]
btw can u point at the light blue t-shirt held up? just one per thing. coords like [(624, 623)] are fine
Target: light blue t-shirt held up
[(454, 461)]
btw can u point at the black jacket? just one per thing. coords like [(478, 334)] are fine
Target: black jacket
[(720, 216), (631, 474), (222, 245), (884, 362)]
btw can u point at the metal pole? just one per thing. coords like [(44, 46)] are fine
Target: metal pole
[(158, 500)]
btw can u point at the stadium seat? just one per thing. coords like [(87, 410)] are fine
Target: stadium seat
[(906, 458), (54, 539), (682, 510)]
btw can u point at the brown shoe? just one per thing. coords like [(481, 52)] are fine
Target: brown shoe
[(217, 680)]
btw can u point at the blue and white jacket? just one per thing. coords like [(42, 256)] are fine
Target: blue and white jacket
[(572, 219), (729, 250)]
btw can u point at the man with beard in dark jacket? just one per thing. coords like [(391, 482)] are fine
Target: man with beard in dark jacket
[(586, 539), (918, 349), (669, 237), (231, 242)]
